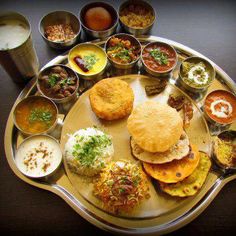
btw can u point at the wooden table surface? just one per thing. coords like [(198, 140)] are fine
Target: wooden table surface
[(206, 26)]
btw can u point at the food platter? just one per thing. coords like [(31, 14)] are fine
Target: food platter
[(169, 213)]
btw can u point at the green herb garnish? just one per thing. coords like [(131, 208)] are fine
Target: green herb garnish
[(122, 190), (90, 61), (52, 79), (159, 56), (41, 115), (124, 54), (121, 52), (92, 148), (66, 81)]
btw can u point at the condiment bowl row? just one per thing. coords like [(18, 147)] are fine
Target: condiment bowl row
[(61, 18)]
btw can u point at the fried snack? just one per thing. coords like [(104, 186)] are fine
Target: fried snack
[(111, 99), (121, 186), (176, 170), (176, 102), (176, 152), (156, 88), (154, 126), (191, 185), (188, 113)]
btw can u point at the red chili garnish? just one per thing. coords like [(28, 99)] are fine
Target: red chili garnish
[(80, 63)]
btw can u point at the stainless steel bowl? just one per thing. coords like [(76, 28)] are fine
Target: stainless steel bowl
[(212, 121), (159, 73), (28, 139), (29, 99), (229, 136), (60, 17), (134, 41), (192, 88), (132, 30), (104, 33), (46, 71), (83, 75)]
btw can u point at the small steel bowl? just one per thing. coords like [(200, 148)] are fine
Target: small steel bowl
[(103, 33), (46, 71), (28, 100), (132, 30), (28, 140), (60, 17), (230, 136), (210, 119), (84, 75), (159, 73), (192, 88), (134, 41)]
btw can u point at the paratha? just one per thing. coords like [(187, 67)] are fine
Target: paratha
[(190, 185), (176, 170)]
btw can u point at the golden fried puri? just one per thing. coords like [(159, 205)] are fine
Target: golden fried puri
[(154, 126), (111, 99)]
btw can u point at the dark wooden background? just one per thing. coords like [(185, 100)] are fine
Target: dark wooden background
[(206, 26)]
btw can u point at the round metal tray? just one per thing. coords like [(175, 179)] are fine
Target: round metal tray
[(61, 185)]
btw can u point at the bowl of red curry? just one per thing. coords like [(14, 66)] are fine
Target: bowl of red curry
[(220, 107), (158, 58)]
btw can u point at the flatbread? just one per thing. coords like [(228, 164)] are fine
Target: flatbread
[(155, 126), (111, 99), (176, 170), (176, 152), (192, 184)]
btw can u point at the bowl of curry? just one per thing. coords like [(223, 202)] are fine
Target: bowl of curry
[(123, 50), (196, 74), (220, 107), (58, 83), (35, 115), (159, 58)]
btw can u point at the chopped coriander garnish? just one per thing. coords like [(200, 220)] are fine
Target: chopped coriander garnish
[(87, 152), (159, 56), (90, 61), (121, 190), (40, 115), (121, 52), (52, 79), (66, 81)]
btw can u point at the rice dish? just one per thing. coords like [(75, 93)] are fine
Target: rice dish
[(88, 151)]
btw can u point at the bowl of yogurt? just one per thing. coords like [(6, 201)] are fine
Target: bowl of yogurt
[(38, 156)]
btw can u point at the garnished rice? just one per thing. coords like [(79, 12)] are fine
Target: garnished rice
[(88, 151)]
